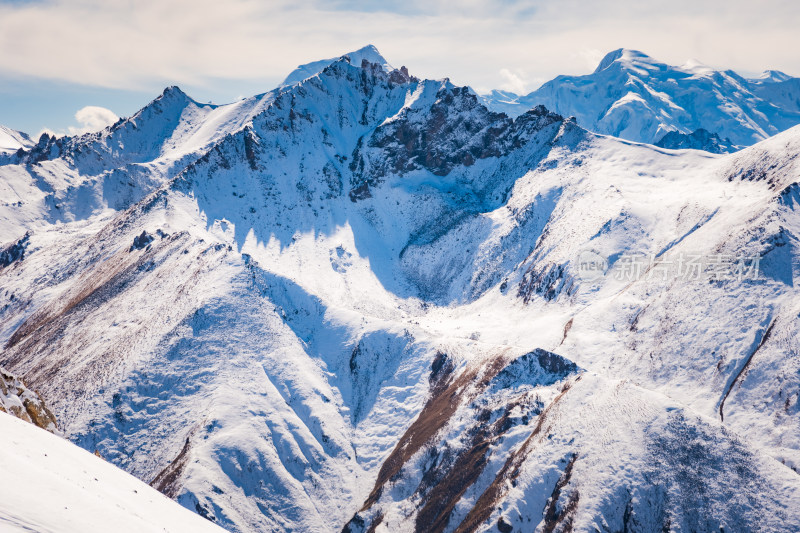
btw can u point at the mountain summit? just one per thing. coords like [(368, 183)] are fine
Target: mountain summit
[(625, 58), (368, 53)]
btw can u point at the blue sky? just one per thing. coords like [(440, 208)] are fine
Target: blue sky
[(62, 55)]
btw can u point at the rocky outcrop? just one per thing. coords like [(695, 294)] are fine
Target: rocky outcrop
[(14, 252), (457, 130), (18, 400)]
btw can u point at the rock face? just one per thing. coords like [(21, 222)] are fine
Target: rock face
[(18, 400), (635, 97), (360, 301), (697, 140), (14, 252)]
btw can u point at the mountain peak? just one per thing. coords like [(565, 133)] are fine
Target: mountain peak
[(174, 92), (771, 76), (368, 52), (626, 56), (371, 54)]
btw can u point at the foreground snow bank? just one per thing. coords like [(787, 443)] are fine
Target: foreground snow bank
[(51, 485)]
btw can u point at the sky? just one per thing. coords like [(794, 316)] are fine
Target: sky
[(114, 56)]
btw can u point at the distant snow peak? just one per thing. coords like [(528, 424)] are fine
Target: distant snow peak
[(624, 57), (771, 76), (357, 57), (697, 67), (173, 91), (370, 54)]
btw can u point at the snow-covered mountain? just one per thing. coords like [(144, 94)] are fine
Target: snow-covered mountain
[(770, 76), (13, 140), (366, 301), (635, 97)]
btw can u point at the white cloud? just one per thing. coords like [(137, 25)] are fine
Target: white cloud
[(123, 44), (514, 81), (593, 56), (92, 118)]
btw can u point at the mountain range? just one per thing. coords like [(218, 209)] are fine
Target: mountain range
[(365, 301), (635, 97)]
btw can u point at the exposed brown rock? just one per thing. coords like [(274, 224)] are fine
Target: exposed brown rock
[(560, 520), (454, 471), (167, 481), (18, 400), (567, 327)]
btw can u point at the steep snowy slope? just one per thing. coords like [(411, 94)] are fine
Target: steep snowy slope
[(51, 485), (371, 303), (633, 96), (13, 140), (589, 454)]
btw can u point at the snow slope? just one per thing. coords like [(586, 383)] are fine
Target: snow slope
[(53, 486), (360, 301), (13, 140), (635, 97)]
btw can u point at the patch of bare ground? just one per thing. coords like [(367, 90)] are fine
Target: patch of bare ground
[(567, 327)]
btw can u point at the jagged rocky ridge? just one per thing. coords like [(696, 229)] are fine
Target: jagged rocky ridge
[(697, 140), (357, 301)]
